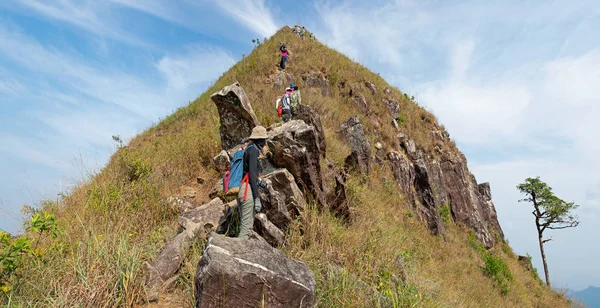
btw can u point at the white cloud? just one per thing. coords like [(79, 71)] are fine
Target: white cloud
[(253, 14), (91, 16), (196, 65)]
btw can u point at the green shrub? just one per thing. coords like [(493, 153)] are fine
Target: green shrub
[(496, 268), (445, 213)]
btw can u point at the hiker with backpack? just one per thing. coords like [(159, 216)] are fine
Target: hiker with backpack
[(284, 105), (295, 98), (248, 198), (284, 56)]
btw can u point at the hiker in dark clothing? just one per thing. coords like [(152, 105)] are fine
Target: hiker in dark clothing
[(248, 198), (284, 56)]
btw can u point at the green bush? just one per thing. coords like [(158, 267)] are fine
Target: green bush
[(497, 269), (445, 213)]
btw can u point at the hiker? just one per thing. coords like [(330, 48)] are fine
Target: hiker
[(302, 33), (295, 98), (248, 198), (285, 103), (284, 56), (296, 30)]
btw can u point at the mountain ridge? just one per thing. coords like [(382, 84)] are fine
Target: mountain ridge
[(419, 214)]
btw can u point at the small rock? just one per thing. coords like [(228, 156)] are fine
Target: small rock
[(393, 107), (361, 103), (378, 146), (387, 91), (371, 87), (188, 192), (222, 162), (200, 180)]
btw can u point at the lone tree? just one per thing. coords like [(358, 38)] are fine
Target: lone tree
[(550, 212)]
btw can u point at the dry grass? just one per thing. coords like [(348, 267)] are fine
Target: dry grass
[(118, 219)]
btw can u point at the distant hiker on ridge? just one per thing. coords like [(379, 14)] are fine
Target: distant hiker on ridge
[(284, 56), (248, 198)]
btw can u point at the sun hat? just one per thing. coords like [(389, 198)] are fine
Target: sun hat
[(259, 132), (288, 89)]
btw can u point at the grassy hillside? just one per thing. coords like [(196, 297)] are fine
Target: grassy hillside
[(119, 218)]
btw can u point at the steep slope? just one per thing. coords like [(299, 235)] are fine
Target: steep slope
[(417, 223)]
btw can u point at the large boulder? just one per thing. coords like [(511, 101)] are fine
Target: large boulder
[(311, 117), (353, 132), (294, 146), (318, 81), (236, 115), (236, 272), (196, 223)]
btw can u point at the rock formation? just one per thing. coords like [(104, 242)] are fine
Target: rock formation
[(360, 158), (236, 115), (250, 273)]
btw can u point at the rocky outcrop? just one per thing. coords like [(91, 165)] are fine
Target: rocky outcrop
[(393, 107), (282, 199), (525, 261), (282, 80), (196, 223), (371, 87), (431, 182), (265, 228), (360, 158), (311, 117), (236, 115), (294, 146), (361, 103), (340, 202), (250, 273), (317, 80)]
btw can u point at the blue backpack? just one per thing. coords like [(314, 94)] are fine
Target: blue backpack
[(233, 178)]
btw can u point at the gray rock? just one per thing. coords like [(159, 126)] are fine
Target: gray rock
[(282, 80), (393, 107), (361, 103), (236, 115), (387, 91), (196, 223), (340, 203), (352, 131), (317, 80), (250, 273), (273, 235), (525, 261), (311, 117), (371, 87), (222, 162), (294, 146)]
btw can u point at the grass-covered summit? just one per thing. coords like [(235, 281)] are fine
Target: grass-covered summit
[(121, 217)]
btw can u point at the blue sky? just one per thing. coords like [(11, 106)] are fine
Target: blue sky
[(514, 82)]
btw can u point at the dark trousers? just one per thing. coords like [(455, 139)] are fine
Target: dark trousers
[(282, 63)]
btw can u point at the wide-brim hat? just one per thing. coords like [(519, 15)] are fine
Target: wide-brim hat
[(259, 132), (288, 89)]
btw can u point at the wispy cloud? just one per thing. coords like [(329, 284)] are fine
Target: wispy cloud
[(253, 14), (195, 65), (92, 16)]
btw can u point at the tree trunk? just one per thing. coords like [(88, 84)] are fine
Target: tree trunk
[(544, 258)]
